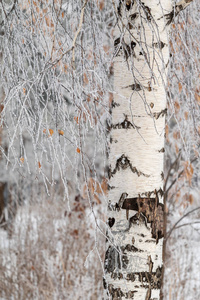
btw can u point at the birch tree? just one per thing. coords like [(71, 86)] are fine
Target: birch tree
[(136, 209), (57, 75)]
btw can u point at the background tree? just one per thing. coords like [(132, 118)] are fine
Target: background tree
[(182, 159), (55, 76)]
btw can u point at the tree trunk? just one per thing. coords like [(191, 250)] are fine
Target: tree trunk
[(135, 238), (133, 259)]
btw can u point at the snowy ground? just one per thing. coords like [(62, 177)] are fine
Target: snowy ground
[(182, 272), (46, 255)]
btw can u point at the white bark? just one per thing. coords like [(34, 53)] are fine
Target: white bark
[(134, 264)]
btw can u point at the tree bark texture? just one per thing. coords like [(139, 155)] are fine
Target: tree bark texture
[(133, 259)]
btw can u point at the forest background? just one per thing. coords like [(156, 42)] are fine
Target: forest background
[(56, 94)]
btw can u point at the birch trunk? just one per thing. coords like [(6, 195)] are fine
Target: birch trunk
[(133, 259), (135, 239)]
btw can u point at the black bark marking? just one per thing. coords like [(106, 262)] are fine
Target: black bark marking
[(109, 171), (119, 8), (151, 105), (159, 192), (111, 222), (133, 16), (132, 19), (111, 187), (147, 12), (135, 87), (117, 42), (114, 104), (122, 47), (123, 163), (149, 280), (133, 45), (129, 4), (149, 241), (131, 277), (162, 150), (138, 87), (178, 8), (130, 248), (159, 45), (141, 234), (117, 294), (117, 275), (162, 113), (126, 124), (153, 279)]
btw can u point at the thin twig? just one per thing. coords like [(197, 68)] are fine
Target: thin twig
[(77, 33), (174, 226)]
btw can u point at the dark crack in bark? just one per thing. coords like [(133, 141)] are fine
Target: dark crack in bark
[(117, 293), (123, 163), (162, 150), (180, 6), (162, 113), (159, 45), (130, 248), (149, 193), (126, 124), (114, 104), (122, 48)]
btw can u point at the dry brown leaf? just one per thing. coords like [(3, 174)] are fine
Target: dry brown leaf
[(22, 159), (176, 106), (191, 199), (85, 79), (177, 149), (51, 132), (101, 5), (188, 171), (76, 119), (180, 87), (197, 97), (186, 115), (61, 132)]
